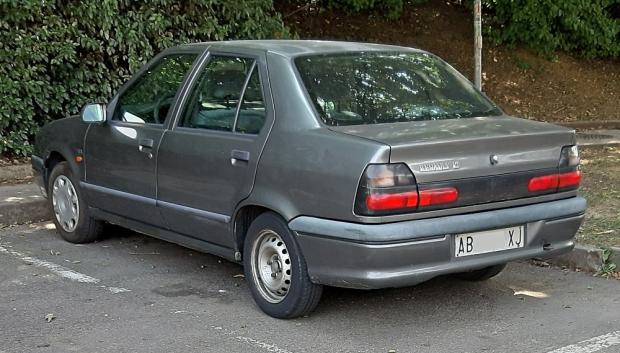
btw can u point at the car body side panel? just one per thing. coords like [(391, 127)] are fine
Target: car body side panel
[(307, 169), (199, 184), (121, 158), (120, 178), (65, 137)]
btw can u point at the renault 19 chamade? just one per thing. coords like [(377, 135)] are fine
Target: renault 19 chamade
[(315, 163)]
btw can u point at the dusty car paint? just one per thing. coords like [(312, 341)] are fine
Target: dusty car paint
[(193, 187)]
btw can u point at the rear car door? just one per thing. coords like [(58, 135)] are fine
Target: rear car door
[(121, 154), (207, 161)]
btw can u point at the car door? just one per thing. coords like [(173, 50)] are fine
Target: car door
[(207, 161), (120, 155)]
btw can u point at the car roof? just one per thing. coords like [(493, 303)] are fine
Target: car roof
[(292, 48)]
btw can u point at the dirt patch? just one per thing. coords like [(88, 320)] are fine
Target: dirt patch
[(16, 170), (10, 161), (522, 83), (600, 186)]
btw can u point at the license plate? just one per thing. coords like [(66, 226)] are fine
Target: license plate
[(488, 241)]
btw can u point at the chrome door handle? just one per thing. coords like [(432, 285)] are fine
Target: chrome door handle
[(146, 143), (237, 156), (146, 146)]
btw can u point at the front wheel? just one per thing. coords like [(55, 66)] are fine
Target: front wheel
[(71, 217), (276, 270)]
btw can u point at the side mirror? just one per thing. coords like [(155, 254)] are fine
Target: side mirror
[(94, 113)]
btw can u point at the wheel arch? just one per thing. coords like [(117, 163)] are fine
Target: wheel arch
[(53, 158), (243, 218), (57, 155)]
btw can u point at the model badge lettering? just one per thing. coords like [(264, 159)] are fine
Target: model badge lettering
[(439, 166)]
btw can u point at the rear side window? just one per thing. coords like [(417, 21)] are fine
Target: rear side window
[(151, 96), (217, 94), (385, 87), (252, 111)]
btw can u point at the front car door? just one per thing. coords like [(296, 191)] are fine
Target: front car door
[(120, 155), (207, 161)]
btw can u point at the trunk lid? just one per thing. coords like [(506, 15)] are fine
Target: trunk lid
[(443, 150)]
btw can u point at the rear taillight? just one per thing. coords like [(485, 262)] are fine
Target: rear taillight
[(568, 176), (385, 202), (555, 182), (543, 183), (391, 188), (569, 157), (439, 196), (569, 180)]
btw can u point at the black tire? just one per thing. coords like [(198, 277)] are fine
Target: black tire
[(302, 296), (482, 274), (87, 229)]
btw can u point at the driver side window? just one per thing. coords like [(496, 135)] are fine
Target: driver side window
[(150, 97)]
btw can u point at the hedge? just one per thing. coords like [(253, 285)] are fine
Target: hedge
[(588, 27), (55, 56)]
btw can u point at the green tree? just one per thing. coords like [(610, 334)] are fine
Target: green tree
[(590, 28), (55, 56)]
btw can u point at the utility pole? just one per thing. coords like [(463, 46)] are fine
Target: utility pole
[(478, 44)]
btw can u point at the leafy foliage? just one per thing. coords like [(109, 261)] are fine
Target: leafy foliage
[(607, 266), (389, 8), (55, 56), (588, 27), (591, 28)]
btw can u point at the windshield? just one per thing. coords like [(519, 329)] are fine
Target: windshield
[(385, 87)]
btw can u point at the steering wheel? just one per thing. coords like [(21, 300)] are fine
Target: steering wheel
[(163, 100)]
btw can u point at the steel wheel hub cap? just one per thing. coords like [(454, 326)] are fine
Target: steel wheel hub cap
[(271, 266), (66, 204)]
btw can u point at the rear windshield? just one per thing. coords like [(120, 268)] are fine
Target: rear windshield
[(386, 87)]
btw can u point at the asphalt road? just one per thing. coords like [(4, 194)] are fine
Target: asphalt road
[(132, 293)]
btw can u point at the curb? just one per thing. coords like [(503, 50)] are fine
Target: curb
[(22, 203), (24, 212), (594, 124), (11, 173), (585, 257)]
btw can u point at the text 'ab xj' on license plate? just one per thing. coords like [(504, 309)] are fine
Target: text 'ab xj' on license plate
[(489, 241)]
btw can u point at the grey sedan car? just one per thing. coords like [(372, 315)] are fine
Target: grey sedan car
[(315, 163)]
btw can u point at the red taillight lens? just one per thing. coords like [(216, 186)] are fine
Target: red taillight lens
[(542, 183), (555, 181), (439, 196), (385, 202), (386, 189), (391, 188), (570, 179)]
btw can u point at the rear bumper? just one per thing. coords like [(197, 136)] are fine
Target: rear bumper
[(399, 254)]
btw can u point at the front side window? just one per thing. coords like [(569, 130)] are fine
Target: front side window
[(214, 101), (385, 87), (150, 98)]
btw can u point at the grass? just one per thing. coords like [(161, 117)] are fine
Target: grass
[(601, 187)]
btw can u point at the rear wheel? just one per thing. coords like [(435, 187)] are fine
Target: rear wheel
[(71, 217), (482, 274), (276, 270)]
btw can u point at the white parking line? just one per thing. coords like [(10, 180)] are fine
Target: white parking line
[(60, 270), (263, 346), (592, 345), (269, 347)]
